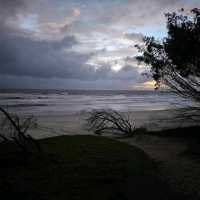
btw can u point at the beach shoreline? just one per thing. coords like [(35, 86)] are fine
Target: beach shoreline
[(50, 125)]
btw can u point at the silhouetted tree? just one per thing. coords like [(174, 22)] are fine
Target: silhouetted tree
[(110, 121), (13, 128), (175, 60)]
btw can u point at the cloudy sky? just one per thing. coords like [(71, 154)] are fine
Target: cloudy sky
[(78, 44)]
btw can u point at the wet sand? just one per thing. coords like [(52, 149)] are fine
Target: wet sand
[(53, 124)]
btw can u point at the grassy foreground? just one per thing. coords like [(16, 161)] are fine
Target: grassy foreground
[(80, 167)]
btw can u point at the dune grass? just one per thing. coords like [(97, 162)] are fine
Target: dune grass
[(80, 167)]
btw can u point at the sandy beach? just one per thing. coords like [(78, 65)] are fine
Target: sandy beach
[(55, 124), (66, 115), (61, 112), (62, 116), (179, 169)]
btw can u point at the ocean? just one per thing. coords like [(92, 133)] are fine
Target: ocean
[(72, 101), (61, 112)]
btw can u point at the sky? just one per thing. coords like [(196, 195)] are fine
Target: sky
[(79, 44)]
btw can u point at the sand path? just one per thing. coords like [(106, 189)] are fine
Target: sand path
[(181, 171)]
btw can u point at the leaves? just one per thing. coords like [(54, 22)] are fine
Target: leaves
[(175, 60)]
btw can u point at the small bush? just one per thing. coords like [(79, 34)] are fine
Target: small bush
[(14, 129), (110, 121)]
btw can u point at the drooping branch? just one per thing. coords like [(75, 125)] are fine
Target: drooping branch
[(186, 87), (110, 121), (175, 59)]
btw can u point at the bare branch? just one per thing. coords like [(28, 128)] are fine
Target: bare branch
[(110, 121), (14, 129)]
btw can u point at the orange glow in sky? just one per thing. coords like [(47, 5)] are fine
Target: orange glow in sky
[(149, 84)]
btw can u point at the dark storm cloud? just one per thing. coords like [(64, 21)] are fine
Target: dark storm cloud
[(11, 7), (43, 49), (8, 9), (26, 57), (21, 55)]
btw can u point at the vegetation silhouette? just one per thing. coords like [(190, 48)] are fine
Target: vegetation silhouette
[(175, 60), (14, 129), (113, 122)]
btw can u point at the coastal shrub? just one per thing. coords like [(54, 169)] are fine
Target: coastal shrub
[(175, 59), (13, 128), (110, 121)]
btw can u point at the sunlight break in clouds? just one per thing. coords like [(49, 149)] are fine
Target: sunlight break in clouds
[(80, 44), (149, 84)]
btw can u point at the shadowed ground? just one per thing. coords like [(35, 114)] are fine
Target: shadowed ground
[(178, 152), (81, 167)]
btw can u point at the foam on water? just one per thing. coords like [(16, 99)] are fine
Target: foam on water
[(60, 111), (70, 101)]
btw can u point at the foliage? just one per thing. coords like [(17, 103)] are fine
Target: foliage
[(14, 128), (110, 121), (175, 60)]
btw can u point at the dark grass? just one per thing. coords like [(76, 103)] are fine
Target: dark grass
[(81, 167)]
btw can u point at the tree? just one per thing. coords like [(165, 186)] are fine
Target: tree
[(175, 60), (14, 129), (110, 121), (113, 122)]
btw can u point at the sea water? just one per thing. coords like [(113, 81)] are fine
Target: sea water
[(64, 111), (72, 101)]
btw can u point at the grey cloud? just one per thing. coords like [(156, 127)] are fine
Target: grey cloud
[(26, 57), (128, 73), (137, 37), (46, 60), (22, 56), (11, 7), (131, 60), (56, 83), (133, 13)]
